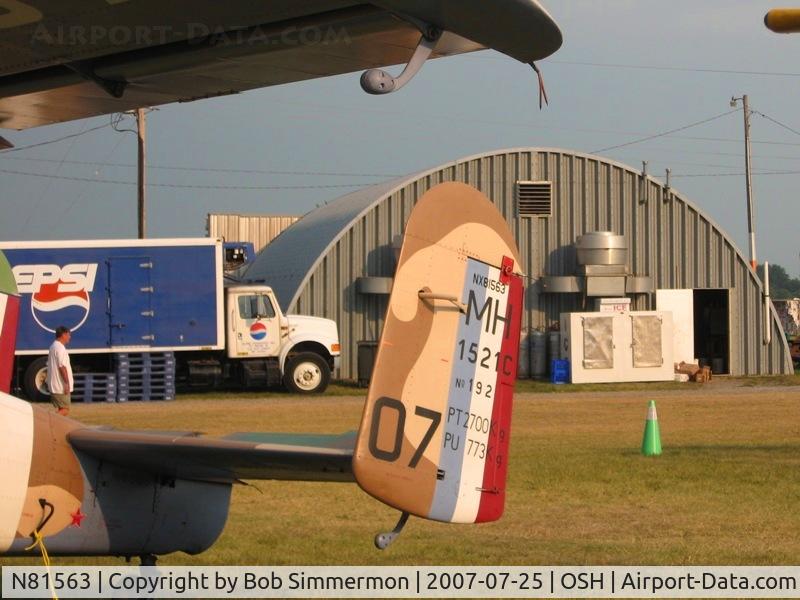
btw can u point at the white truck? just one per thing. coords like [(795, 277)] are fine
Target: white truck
[(162, 295)]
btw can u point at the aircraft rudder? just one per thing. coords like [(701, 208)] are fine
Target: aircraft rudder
[(9, 320)]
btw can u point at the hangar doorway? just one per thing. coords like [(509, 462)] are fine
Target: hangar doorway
[(701, 325), (712, 329)]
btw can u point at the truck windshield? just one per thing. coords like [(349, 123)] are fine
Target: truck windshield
[(255, 306)]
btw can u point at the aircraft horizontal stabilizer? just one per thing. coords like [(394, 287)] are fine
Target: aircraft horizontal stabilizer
[(223, 460)]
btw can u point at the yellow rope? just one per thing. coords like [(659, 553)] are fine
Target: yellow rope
[(39, 541)]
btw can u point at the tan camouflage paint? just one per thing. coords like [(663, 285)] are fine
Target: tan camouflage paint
[(55, 475), (451, 222)]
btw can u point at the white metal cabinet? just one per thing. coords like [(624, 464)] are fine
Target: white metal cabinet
[(608, 347)]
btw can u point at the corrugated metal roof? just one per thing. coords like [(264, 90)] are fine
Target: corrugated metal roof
[(287, 263)]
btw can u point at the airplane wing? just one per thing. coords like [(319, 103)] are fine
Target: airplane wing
[(300, 457), (74, 59)]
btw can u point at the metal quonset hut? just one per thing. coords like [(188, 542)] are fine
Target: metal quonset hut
[(337, 261)]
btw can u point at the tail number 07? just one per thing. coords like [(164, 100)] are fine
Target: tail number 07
[(384, 404)]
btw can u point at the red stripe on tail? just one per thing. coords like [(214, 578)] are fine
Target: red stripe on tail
[(494, 474), (8, 342)]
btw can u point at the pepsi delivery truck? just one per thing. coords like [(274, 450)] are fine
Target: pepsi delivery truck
[(161, 295)]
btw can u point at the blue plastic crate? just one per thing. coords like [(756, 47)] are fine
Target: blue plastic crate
[(559, 370), (148, 397), (94, 387), (145, 376), (146, 358), (145, 389), (147, 379), (146, 393)]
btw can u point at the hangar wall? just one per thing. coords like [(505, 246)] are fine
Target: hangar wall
[(314, 265), (258, 229)]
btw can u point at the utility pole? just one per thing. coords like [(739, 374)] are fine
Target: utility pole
[(142, 205), (748, 179)]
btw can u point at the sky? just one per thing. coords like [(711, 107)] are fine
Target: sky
[(627, 70)]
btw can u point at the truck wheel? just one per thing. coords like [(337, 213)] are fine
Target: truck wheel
[(35, 381), (306, 373)]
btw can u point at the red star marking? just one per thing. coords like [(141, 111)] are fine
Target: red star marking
[(77, 517)]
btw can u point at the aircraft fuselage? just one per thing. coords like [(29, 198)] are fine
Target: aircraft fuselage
[(90, 507)]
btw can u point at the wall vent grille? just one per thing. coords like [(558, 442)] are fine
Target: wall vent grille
[(535, 198)]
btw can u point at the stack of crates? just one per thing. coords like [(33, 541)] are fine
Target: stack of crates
[(94, 387), (145, 376)]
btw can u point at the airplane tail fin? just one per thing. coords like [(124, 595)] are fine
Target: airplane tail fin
[(9, 316), (435, 431)]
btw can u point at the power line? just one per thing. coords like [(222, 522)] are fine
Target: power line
[(117, 118), (697, 164), (303, 187), (583, 63), (187, 186), (727, 140), (360, 110), (439, 117), (82, 194), (50, 182), (682, 151), (663, 133), (472, 120), (376, 175), (666, 68), (739, 174), (332, 174), (768, 118), (61, 139), (207, 169)]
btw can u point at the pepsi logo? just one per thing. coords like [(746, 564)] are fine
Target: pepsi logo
[(59, 295), (258, 331)]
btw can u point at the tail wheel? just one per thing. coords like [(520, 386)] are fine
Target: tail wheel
[(35, 381), (306, 373)]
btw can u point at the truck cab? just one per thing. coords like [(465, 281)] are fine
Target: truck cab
[(303, 349), (254, 322)]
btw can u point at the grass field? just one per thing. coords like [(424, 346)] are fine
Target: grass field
[(725, 491)]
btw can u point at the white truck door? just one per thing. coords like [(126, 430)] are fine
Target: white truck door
[(254, 326)]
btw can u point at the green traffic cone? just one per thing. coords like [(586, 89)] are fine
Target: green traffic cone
[(651, 444)]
